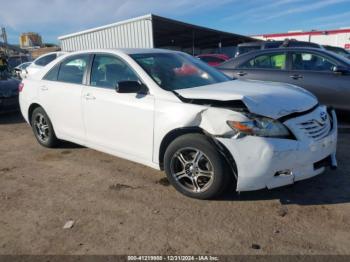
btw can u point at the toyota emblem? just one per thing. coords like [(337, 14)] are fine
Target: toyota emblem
[(323, 116)]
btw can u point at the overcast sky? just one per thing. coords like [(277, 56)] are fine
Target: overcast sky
[(52, 18)]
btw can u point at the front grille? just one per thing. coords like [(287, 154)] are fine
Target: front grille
[(316, 129)]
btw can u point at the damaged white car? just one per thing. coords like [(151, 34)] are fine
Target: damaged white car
[(170, 111)]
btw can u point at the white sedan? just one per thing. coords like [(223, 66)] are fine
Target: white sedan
[(170, 111), (40, 63)]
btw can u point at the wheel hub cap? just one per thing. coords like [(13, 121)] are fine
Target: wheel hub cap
[(192, 169)]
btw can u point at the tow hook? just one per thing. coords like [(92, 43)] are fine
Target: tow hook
[(334, 164)]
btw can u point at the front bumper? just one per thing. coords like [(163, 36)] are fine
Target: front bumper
[(9, 104), (271, 162)]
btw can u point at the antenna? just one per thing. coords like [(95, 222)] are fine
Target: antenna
[(3, 35)]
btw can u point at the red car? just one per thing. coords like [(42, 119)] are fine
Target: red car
[(213, 59)]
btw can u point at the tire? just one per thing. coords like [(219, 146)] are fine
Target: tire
[(195, 168), (43, 129)]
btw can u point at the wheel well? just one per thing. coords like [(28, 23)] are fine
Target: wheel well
[(30, 111), (172, 135)]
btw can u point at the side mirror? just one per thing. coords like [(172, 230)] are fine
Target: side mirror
[(339, 69), (131, 87)]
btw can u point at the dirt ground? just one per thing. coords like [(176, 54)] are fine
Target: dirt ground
[(120, 207)]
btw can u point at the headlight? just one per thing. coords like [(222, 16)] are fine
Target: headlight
[(260, 126)]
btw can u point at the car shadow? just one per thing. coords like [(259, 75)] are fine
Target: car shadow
[(332, 187), (11, 118), (68, 145)]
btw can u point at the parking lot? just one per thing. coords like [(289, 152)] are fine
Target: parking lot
[(120, 207)]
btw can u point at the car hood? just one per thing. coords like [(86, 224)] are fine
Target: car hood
[(269, 99), (9, 87)]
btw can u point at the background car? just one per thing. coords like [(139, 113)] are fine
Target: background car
[(16, 60), (8, 92), (213, 59), (23, 65), (18, 69), (324, 73), (40, 62), (253, 46)]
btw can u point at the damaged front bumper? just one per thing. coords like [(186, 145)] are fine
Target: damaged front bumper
[(272, 162)]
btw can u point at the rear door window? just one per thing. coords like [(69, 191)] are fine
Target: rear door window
[(72, 69), (275, 61), (311, 62)]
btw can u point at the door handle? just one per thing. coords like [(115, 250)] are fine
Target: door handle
[(44, 88), (296, 77), (241, 73), (89, 97)]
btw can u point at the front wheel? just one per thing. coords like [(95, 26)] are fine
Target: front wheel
[(195, 168), (43, 129)]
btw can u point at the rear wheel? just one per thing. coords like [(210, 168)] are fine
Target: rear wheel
[(43, 129), (195, 168)]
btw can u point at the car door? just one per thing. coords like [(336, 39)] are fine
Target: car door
[(60, 95), (265, 67), (119, 123), (314, 72)]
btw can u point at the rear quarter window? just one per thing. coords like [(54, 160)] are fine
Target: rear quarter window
[(43, 61)]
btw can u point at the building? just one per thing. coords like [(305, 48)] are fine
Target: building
[(30, 40), (337, 37), (151, 31)]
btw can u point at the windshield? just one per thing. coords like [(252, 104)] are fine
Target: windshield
[(338, 50), (173, 71)]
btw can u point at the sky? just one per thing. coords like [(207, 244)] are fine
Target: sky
[(53, 18)]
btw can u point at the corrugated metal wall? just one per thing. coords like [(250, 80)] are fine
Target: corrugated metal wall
[(136, 33)]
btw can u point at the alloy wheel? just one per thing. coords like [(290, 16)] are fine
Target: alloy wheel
[(192, 170), (41, 127)]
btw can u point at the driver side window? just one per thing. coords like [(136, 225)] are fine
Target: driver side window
[(108, 70), (311, 62)]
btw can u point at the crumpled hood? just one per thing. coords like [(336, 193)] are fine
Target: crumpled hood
[(269, 99), (9, 87)]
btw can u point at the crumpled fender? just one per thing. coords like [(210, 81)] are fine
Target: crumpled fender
[(213, 121)]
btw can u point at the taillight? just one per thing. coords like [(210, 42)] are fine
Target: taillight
[(20, 87)]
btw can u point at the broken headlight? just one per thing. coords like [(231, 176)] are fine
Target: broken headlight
[(260, 126)]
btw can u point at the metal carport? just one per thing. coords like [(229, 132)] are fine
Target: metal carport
[(152, 31)]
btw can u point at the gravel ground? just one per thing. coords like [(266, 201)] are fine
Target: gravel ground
[(120, 207)]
